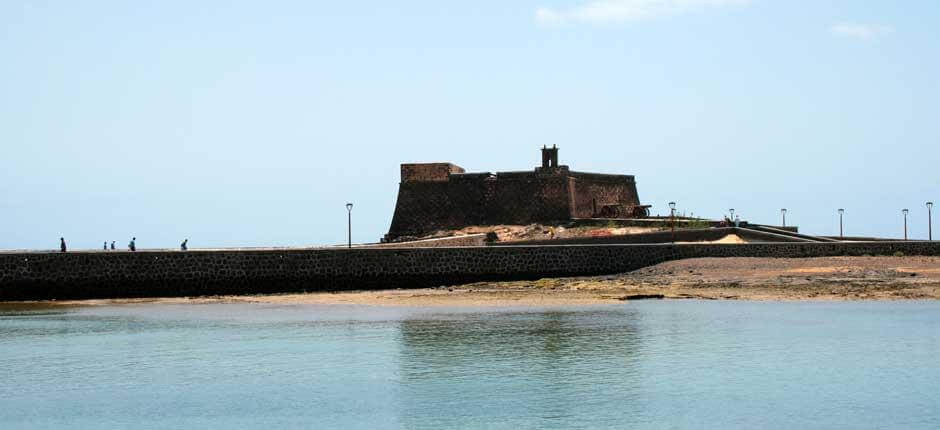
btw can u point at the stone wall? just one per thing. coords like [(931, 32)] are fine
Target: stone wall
[(85, 275), (521, 199), (591, 188), (428, 171), (425, 207), (464, 199), (479, 199)]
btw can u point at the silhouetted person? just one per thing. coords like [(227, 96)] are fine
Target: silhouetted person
[(183, 245), (62, 244), (132, 246), (112, 245), (105, 246)]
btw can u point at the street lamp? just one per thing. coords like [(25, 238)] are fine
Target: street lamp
[(672, 217), (929, 220), (841, 211), (783, 213), (349, 224), (732, 213), (904, 211)]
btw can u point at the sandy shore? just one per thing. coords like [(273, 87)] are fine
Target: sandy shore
[(829, 278)]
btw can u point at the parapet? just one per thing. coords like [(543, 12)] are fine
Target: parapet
[(601, 176), (428, 172)]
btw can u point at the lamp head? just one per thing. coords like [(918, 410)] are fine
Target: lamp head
[(905, 211), (349, 207), (841, 211), (672, 205), (783, 210), (929, 205)]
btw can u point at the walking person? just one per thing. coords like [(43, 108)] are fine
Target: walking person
[(62, 244), (183, 245), (132, 246), (105, 246), (112, 245)]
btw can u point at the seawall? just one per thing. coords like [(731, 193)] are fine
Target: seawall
[(86, 275)]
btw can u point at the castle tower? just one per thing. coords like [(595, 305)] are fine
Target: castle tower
[(549, 157)]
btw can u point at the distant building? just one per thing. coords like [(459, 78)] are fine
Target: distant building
[(439, 196)]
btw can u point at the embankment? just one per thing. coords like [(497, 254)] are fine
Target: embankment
[(79, 275)]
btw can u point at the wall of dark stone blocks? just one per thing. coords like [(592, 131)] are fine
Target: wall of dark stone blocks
[(602, 189), (517, 198), (38, 276), (424, 207)]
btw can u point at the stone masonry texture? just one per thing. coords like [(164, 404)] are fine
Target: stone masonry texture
[(440, 196), (87, 275)]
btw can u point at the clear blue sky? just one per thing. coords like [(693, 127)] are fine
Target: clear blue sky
[(252, 123)]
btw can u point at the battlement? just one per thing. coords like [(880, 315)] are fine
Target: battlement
[(600, 176), (428, 172)]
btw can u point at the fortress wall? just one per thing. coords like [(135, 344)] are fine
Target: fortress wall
[(469, 195), (424, 207), (86, 275), (604, 189), (479, 199), (525, 199)]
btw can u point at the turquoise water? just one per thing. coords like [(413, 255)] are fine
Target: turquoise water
[(657, 364)]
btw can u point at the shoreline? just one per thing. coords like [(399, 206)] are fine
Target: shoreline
[(735, 278)]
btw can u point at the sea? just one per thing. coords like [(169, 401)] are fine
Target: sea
[(647, 364)]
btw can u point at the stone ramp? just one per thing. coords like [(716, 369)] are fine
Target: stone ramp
[(680, 235), (782, 232)]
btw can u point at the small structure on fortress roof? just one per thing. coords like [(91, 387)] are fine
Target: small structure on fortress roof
[(442, 196)]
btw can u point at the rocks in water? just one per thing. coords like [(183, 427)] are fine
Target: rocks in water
[(641, 297)]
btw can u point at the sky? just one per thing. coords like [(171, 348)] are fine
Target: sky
[(246, 123)]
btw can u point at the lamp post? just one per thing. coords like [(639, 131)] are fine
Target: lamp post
[(672, 217), (841, 211), (349, 207), (732, 213), (929, 220), (904, 211), (783, 213)]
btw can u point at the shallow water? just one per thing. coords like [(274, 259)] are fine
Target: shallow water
[(661, 364)]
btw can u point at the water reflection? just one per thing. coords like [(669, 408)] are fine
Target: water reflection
[(531, 367), (678, 364)]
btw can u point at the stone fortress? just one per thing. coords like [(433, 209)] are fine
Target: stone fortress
[(435, 196), (441, 196)]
